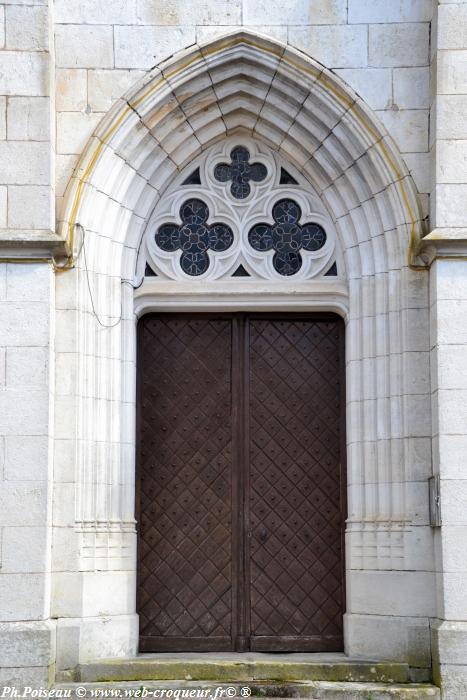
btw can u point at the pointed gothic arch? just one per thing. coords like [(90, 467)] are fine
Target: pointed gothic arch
[(278, 95), (296, 106)]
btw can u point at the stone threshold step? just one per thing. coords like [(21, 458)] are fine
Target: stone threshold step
[(239, 667), (310, 690)]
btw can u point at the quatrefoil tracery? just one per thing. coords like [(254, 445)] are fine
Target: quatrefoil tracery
[(194, 237), (287, 237), (262, 229), (240, 171)]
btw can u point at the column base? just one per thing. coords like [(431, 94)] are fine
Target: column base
[(91, 638), (388, 638), (449, 644), (27, 654)]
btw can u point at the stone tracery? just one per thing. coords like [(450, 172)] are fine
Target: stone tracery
[(240, 171), (287, 237), (274, 229), (194, 237)]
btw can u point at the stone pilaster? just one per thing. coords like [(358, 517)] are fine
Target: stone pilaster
[(27, 121), (446, 245), (27, 242)]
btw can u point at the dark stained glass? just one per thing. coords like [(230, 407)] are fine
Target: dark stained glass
[(193, 178), (149, 272), (240, 171), (194, 237), (241, 272), (286, 178), (287, 237)]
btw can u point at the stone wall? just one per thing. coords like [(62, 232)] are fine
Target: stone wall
[(26, 120), (26, 386), (448, 224)]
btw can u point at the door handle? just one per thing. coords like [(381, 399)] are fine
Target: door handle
[(262, 534)]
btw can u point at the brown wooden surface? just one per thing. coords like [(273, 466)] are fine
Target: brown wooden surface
[(241, 498), (185, 551), (295, 500)]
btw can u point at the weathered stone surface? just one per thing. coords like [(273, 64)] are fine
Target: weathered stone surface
[(81, 46), (74, 129), (27, 28), (91, 12), (209, 32), (24, 163), (143, 47), (23, 73), (106, 86), (23, 323), (412, 88), (453, 680), (24, 597), (258, 12), (31, 494), (398, 45), (449, 642), (419, 167), (2, 27), (71, 89), (30, 644), (452, 72), (25, 2), (334, 46), (27, 367), (26, 677), (245, 667), (28, 119), (3, 104), (451, 204), (3, 216), (372, 11), (179, 13), (373, 84), (452, 26), (400, 638), (315, 690), (29, 207), (25, 549), (409, 128), (28, 283)]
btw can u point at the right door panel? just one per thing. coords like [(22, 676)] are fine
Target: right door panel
[(296, 483)]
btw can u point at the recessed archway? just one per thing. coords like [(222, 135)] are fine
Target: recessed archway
[(297, 107)]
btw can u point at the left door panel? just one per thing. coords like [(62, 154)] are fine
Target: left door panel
[(185, 481)]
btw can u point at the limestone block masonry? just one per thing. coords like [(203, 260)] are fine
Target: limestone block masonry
[(102, 104)]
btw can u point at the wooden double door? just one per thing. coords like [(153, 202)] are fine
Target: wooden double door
[(241, 498)]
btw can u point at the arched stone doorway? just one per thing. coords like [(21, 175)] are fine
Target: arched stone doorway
[(241, 499), (296, 107)]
